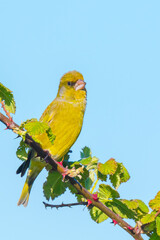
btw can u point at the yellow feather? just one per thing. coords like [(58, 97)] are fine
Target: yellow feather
[(65, 117)]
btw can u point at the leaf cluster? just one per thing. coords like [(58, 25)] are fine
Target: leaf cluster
[(151, 221), (103, 179)]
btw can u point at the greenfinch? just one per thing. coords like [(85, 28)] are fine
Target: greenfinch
[(64, 116)]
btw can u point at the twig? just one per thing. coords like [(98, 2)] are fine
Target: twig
[(64, 205), (8, 122), (5, 110), (62, 170)]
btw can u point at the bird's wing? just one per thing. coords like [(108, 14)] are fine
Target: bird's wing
[(49, 112)]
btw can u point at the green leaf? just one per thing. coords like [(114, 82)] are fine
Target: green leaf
[(155, 203), (90, 179), (84, 175), (88, 183), (148, 218), (85, 161), (97, 215), (54, 186), (101, 176), (22, 151), (138, 207), (7, 96), (136, 204), (92, 164), (118, 207), (35, 127), (158, 225), (86, 152), (115, 179), (108, 167), (121, 175), (105, 192), (131, 204), (142, 206), (28, 120), (154, 236), (149, 227), (124, 174)]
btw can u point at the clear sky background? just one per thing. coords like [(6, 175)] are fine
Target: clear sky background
[(116, 46)]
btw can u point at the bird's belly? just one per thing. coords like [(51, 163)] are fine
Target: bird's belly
[(64, 141), (66, 128)]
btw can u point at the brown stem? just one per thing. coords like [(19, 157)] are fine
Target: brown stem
[(58, 167), (8, 122)]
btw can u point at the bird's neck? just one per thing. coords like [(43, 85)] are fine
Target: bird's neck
[(77, 103)]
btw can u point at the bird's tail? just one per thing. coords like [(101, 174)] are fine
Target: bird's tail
[(24, 195), (34, 170)]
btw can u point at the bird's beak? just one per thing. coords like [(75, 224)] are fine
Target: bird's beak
[(80, 85)]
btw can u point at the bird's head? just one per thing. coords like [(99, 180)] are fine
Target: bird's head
[(72, 87)]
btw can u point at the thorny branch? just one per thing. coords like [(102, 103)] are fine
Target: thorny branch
[(65, 205), (134, 232)]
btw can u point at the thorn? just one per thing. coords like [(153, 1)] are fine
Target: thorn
[(65, 172), (45, 205), (8, 126), (89, 202), (130, 228), (115, 222), (95, 198), (17, 137), (61, 162)]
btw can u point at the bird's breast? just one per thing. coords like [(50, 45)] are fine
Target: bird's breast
[(66, 123)]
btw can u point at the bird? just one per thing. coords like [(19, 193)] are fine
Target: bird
[(64, 115)]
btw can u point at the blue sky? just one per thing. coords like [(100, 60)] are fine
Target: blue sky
[(115, 45)]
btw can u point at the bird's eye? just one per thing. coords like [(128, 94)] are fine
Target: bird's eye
[(69, 83)]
